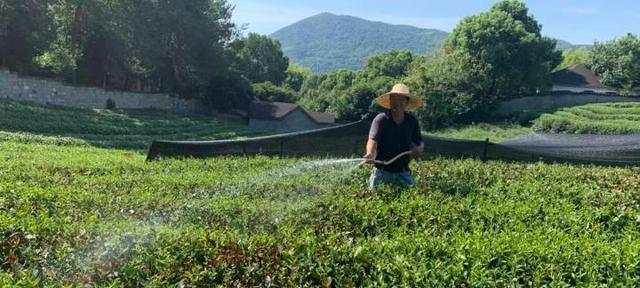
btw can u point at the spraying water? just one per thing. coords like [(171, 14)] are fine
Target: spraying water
[(103, 254)]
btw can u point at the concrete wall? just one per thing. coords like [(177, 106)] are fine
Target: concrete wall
[(556, 101), (295, 121), (52, 92)]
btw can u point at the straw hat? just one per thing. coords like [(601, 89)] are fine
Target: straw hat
[(415, 102)]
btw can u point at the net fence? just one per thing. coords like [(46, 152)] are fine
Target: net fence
[(350, 139), (343, 140)]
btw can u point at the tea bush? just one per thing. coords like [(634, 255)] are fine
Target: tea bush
[(111, 128), (80, 215), (608, 118), (76, 215)]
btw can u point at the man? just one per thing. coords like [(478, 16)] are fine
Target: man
[(391, 134)]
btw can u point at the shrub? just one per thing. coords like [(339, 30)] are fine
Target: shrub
[(612, 118)]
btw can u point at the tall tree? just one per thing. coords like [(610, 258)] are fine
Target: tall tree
[(295, 76), (393, 64), (618, 62), (508, 42), (261, 59), (24, 33)]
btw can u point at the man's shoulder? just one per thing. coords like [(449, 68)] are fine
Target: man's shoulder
[(381, 117)]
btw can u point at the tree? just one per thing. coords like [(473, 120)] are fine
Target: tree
[(268, 92), (507, 44), (181, 45), (490, 57), (446, 82), (519, 12), (618, 62), (393, 64), (357, 103), (321, 92), (25, 32), (574, 57), (296, 76), (261, 59)]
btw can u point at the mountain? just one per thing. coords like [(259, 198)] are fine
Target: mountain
[(564, 45), (326, 41)]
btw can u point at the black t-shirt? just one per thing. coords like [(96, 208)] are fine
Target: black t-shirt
[(393, 139)]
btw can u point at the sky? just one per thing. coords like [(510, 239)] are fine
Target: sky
[(576, 21)]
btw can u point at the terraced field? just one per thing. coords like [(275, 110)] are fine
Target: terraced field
[(606, 119), (20, 121)]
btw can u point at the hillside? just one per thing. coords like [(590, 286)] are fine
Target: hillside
[(327, 42), (564, 45)]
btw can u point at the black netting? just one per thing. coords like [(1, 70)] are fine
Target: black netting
[(349, 140)]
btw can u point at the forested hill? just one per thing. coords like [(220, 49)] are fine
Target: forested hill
[(326, 42)]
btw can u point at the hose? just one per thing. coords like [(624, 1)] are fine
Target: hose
[(386, 163)]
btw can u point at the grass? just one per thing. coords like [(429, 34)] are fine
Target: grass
[(606, 119), (78, 215), (108, 129), (495, 132)]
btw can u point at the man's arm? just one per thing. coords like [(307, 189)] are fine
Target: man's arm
[(371, 150), (372, 142)]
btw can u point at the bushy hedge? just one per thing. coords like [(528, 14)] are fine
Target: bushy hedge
[(616, 118)]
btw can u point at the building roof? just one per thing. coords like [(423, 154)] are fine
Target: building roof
[(321, 118), (577, 76), (278, 110)]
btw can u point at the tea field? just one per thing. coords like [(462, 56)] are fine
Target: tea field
[(77, 215), (121, 129), (495, 132), (606, 119)]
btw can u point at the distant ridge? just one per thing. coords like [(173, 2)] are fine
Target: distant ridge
[(327, 42)]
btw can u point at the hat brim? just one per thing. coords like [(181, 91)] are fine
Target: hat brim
[(414, 103)]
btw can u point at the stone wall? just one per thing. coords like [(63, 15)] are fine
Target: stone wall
[(51, 92), (557, 100)]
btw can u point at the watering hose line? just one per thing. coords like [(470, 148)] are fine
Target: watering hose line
[(386, 163)]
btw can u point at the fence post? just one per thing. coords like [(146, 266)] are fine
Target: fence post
[(358, 146), (281, 147), (484, 152)]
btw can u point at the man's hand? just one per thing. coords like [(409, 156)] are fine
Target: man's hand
[(372, 152), (417, 151), (370, 158)]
